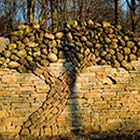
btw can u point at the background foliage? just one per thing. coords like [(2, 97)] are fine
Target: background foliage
[(54, 12)]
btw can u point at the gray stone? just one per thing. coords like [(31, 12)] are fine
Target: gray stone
[(4, 42)]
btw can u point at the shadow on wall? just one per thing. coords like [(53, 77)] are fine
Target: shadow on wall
[(74, 107), (73, 104), (127, 130), (122, 133)]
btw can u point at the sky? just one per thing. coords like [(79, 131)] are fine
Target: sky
[(124, 4)]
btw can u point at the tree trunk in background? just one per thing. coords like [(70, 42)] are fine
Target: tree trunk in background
[(133, 15), (74, 9), (43, 17), (53, 15), (132, 6), (30, 10), (66, 10), (117, 12)]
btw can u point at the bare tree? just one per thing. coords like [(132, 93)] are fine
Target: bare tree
[(53, 13), (9, 10), (44, 12), (117, 12), (30, 10), (132, 7)]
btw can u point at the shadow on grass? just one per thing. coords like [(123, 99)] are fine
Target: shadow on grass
[(81, 136)]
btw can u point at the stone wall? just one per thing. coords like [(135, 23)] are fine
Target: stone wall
[(102, 100)]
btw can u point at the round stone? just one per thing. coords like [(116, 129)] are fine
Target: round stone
[(44, 62), (12, 46), (52, 57), (13, 64), (59, 35), (132, 57)]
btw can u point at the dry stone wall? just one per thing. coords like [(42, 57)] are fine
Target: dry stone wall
[(103, 99), (55, 83), (33, 44)]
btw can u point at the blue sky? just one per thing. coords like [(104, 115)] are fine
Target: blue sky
[(124, 4)]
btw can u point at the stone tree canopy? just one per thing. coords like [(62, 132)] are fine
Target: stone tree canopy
[(31, 45)]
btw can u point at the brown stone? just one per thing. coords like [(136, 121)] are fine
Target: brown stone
[(9, 79), (52, 57), (13, 64), (25, 132), (49, 36), (59, 35)]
